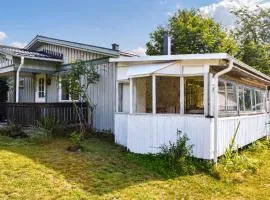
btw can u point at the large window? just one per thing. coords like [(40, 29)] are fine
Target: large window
[(64, 93), (143, 95), (194, 92), (168, 94), (227, 96), (123, 97)]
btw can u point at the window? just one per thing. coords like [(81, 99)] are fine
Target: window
[(259, 102), (123, 97), (241, 99), (222, 95), (194, 92), (168, 94), (64, 93), (247, 99), (143, 95), (41, 87), (231, 100)]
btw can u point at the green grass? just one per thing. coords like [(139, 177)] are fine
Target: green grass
[(105, 171)]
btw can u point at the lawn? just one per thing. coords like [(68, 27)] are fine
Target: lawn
[(105, 171)]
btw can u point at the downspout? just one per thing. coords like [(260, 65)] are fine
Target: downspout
[(216, 77), (18, 79)]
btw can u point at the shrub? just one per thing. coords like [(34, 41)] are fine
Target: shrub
[(48, 123), (178, 154), (38, 134)]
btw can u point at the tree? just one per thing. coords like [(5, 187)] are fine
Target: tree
[(191, 33), (253, 36), (3, 89), (76, 83)]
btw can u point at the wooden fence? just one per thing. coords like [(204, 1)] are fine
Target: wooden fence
[(30, 113)]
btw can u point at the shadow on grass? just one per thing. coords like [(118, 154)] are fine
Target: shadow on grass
[(101, 168)]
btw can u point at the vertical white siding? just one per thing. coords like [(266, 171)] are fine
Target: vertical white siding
[(52, 90), (120, 130), (145, 133), (27, 93), (251, 129)]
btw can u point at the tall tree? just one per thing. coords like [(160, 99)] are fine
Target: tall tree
[(252, 31), (191, 33)]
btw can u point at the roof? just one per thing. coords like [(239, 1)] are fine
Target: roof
[(17, 52), (207, 56), (39, 39)]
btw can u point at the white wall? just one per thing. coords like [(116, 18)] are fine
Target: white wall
[(145, 133)]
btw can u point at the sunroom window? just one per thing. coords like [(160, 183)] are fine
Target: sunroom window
[(227, 96), (168, 94), (123, 97), (143, 95), (194, 92)]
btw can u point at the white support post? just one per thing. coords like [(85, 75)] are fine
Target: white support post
[(182, 95), (211, 92), (131, 96), (18, 80), (206, 92), (154, 94), (117, 97)]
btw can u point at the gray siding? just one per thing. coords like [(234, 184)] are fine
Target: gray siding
[(52, 90), (27, 93), (103, 96), (69, 54)]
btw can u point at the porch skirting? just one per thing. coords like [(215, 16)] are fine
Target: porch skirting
[(145, 133)]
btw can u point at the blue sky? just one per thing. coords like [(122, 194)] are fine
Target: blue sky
[(102, 22)]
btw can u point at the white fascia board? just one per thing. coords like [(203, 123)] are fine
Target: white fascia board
[(171, 57)]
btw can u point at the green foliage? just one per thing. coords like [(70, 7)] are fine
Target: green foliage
[(253, 36), (191, 33), (48, 123), (178, 155), (76, 83), (3, 89), (38, 134), (233, 162), (76, 138)]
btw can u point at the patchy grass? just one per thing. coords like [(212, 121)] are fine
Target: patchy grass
[(105, 171)]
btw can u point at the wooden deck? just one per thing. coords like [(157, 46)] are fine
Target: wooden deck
[(30, 113)]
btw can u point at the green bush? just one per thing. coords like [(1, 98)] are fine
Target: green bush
[(76, 138), (38, 134), (178, 155), (48, 123)]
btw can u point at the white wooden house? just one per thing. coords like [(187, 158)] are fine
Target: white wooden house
[(202, 95), (34, 75)]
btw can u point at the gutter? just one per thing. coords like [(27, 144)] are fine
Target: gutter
[(18, 79), (216, 77)]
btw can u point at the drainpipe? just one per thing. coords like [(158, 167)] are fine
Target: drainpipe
[(18, 79), (217, 75)]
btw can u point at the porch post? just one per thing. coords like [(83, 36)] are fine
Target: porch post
[(154, 109), (131, 95), (206, 92), (18, 80), (116, 97), (182, 95)]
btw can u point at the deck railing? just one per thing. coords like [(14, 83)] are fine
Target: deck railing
[(30, 113)]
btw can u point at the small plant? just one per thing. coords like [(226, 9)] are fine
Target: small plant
[(48, 123), (178, 154), (234, 163), (15, 130), (76, 139), (38, 134)]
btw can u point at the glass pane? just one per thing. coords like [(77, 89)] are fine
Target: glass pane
[(259, 100), (241, 99), (247, 97), (222, 96), (231, 97), (194, 92), (65, 93), (123, 97), (168, 94), (143, 95)]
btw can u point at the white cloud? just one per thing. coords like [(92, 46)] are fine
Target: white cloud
[(140, 51), (3, 35), (220, 11), (18, 44)]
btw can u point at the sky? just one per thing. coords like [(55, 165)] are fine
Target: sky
[(103, 22)]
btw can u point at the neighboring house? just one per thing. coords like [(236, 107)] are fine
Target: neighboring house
[(202, 95), (34, 73)]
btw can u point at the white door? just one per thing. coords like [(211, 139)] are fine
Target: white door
[(41, 88)]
